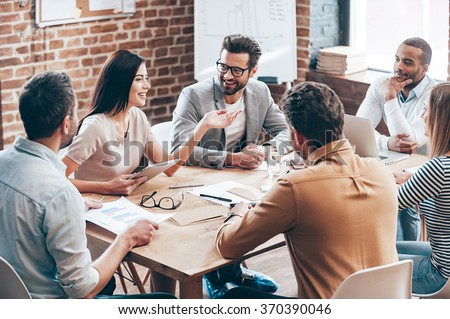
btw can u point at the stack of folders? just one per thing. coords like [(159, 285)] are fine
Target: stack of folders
[(341, 60)]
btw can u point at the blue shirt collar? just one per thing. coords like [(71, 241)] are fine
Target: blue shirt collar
[(417, 91), (39, 150)]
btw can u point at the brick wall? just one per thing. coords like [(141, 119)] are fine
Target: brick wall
[(324, 16), (162, 31)]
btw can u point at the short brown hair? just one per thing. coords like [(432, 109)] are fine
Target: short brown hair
[(315, 111), (238, 43)]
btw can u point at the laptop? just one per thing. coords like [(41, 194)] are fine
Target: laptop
[(361, 135), (153, 170)]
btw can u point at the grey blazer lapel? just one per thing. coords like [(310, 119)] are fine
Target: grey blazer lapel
[(219, 100), (253, 127)]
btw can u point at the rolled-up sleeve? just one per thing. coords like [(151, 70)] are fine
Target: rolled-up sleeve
[(66, 241)]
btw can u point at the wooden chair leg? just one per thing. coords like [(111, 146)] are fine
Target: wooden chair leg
[(136, 278), (122, 280), (146, 277)]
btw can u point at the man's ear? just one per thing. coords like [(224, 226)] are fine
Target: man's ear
[(298, 137), (425, 68), (253, 71), (65, 125)]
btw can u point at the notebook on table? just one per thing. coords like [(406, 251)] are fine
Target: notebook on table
[(361, 135)]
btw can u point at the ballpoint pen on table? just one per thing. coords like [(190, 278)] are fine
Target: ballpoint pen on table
[(186, 185), (216, 197)]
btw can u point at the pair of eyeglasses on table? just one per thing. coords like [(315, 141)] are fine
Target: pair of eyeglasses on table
[(166, 202)]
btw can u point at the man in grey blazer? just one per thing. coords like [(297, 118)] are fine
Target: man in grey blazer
[(236, 146), (232, 89)]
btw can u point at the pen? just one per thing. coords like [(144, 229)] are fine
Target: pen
[(187, 185), (216, 197)]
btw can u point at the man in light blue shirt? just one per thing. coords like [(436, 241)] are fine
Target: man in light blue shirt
[(42, 227)]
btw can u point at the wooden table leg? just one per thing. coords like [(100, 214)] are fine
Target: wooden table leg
[(191, 289), (136, 278)]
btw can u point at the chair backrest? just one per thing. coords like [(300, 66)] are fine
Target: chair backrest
[(11, 287), (162, 134), (443, 293), (391, 281)]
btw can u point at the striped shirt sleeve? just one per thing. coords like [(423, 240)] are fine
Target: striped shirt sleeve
[(425, 183)]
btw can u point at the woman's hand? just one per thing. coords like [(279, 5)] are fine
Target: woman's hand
[(124, 184), (401, 177), (219, 118)]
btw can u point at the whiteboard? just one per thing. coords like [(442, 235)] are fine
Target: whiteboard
[(272, 23)]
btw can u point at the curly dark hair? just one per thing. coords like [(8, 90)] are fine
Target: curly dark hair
[(315, 111)]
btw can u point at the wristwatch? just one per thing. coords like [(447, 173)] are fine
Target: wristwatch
[(231, 214)]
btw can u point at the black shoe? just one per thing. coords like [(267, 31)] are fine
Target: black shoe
[(214, 291), (256, 280)]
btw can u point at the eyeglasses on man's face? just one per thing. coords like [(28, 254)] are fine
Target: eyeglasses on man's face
[(236, 71), (167, 203)]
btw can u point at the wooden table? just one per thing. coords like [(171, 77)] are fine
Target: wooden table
[(184, 253), (412, 161)]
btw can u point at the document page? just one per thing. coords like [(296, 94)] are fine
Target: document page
[(117, 215)]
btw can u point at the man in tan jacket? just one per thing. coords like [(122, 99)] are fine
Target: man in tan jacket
[(338, 215)]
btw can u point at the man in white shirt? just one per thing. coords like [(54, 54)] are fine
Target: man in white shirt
[(401, 101)]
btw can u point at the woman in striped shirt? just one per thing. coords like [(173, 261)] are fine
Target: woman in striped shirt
[(429, 187)]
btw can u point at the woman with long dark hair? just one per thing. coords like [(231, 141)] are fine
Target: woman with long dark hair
[(116, 134)]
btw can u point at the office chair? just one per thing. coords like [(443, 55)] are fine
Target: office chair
[(162, 134), (443, 293), (12, 286), (391, 281)]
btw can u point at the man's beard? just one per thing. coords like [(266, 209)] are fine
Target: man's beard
[(408, 76), (231, 91), (67, 140)]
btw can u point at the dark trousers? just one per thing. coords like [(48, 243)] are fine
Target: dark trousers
[(108, 293), (250, 293), (225, 274)]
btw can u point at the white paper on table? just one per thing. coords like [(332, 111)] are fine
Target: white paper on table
[(220, 190), (412, 170), (117, 215)]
